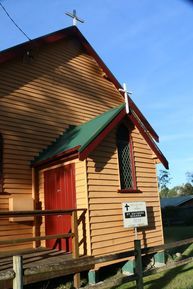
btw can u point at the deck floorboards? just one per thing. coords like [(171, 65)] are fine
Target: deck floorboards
[(41, 264), (34, 258)]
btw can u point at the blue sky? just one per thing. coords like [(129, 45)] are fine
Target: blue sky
[(148, 44)]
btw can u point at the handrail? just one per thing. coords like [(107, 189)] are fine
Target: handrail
[(35, 213), (42, 238), (150, 250), (74, 224), (38, 212)]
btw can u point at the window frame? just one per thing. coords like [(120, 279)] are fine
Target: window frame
[(132, 189)]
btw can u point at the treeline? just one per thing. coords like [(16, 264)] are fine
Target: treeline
[(164, 179)]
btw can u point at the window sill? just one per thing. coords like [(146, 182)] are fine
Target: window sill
[(129, 191)]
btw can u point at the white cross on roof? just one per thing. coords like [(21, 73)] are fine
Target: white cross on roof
[(126, 92), (75, 17)]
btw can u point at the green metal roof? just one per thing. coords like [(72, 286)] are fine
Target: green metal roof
[(80, 136)]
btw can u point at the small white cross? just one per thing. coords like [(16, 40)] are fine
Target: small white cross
[(126, 96), (75, 17)]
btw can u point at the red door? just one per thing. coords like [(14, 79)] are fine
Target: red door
[(59, 190)]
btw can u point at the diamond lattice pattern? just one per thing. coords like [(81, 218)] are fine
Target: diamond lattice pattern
[(125, 165)]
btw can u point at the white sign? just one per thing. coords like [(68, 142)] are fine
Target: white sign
[(134, 214)]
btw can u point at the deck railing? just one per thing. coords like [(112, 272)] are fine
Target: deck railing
[(75, 221)]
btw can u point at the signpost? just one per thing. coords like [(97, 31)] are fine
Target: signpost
[(135, 216)]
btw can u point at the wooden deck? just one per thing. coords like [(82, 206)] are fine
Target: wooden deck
[(41, 264)]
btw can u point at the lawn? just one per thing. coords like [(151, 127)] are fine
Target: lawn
[(178, 278)]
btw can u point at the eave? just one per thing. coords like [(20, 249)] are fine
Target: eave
[(149, 141), (82, 151), (56, 159)]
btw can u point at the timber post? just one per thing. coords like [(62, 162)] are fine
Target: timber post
[(75, 247), (138, 265), (37, 205), (18, 269)]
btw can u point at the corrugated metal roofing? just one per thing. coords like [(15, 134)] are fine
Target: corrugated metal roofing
[(175, 201), (80, 136)]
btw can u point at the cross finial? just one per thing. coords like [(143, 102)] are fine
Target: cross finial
[(74, 17), (126, 96)]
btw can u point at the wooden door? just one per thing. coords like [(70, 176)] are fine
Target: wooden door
[(59, 190)]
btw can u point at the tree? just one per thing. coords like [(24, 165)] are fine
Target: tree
[(175, 191), (183, 190), (189, 176), (163, 179), (164, 193), (186, 189), (163, 182)]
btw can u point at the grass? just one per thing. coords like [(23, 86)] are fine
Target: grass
[(178, 278)]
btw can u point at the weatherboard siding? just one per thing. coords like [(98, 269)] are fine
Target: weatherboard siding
[(9, 230), (105, 212), (82, 203), (38, 100), (63, 85)]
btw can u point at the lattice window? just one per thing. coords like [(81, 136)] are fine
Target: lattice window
[(125, 158)]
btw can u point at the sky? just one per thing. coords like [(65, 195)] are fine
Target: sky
[(147, 44)]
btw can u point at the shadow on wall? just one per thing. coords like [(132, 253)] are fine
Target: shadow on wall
[(151, 225), (104, 153), (35, 94), (42, 86)]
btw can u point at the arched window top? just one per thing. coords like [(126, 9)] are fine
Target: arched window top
[(122, 133), (125, 156)]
